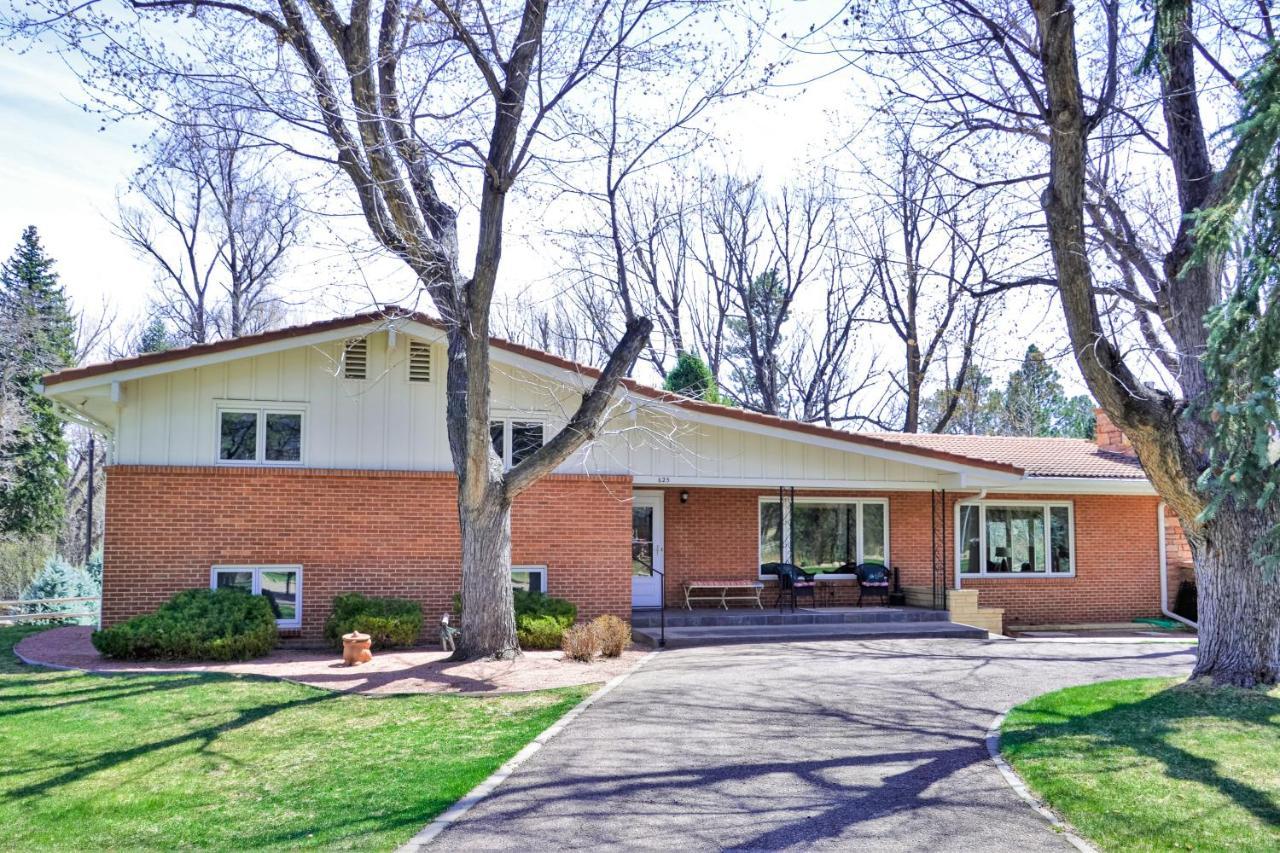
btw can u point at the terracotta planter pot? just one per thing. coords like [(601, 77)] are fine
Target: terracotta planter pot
[(356, 648)]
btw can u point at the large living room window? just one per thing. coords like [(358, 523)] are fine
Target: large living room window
[(824, 533), (281, 585), (1015, 538), (249, 435)]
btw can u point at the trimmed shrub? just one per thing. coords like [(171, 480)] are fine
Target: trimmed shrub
[(581, 643), (541, 620), (539, 633), (390, 622), (537, 604), (614, 635), (197, 624)]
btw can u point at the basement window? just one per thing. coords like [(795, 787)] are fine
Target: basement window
[(1015, 539), (280, 585), (259, 436), (529, 578)]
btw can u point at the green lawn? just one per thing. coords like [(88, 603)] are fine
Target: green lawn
[(1139, 765), (126, 761)]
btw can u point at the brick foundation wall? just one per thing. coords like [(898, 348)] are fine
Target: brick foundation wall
[(714, 535), (380, 533)]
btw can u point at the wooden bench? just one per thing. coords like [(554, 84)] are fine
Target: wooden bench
[(741, 590)]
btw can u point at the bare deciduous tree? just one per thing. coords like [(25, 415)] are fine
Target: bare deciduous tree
[(1040, 100), (217, 221), (412, 103)]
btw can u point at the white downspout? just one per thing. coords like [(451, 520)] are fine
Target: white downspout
[(1164, 571), (955, 568)]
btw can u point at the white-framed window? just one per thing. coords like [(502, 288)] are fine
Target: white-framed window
[(515, 438), (252, 434), (1026, 539), (822, 534), (281, 585), (529, 578)]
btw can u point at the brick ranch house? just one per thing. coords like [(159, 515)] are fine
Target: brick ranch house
[(312, 460)]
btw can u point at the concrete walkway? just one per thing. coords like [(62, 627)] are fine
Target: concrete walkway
[(841, 745)]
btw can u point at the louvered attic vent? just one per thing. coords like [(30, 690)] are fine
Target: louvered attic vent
[(419, 362), (355, 359)]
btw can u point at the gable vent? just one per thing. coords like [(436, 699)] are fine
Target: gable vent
[(419, 362), (355, 359)]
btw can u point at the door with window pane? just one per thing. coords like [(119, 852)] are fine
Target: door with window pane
[(646, 549)]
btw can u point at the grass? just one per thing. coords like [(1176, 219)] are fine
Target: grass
[(1150, 765), (225, 762)]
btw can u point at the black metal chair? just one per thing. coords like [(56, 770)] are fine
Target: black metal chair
[(874, 579), (793, 581)]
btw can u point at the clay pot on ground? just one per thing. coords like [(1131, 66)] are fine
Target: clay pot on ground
[(356, 648)]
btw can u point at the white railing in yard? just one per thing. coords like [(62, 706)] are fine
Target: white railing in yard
[(8, 617)]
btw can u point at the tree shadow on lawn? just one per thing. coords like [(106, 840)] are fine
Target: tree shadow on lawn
[(1150, 727)]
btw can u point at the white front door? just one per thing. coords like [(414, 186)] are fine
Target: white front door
[(646, 549)]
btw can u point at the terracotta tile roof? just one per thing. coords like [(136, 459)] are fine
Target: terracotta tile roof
[(1039, 457)]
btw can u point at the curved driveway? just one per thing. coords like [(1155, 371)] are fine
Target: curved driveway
[(876, 745)]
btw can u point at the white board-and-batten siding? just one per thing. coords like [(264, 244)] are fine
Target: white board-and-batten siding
[(386, 422)]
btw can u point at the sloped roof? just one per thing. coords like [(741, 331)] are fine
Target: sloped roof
[(1039, 457), (1034, 457)]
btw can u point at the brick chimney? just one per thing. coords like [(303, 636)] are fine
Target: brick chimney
[(1108, 436)]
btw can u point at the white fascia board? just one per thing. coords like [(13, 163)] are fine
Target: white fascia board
[(582, 383), (676, 482), (1077, 486), (204, 360)]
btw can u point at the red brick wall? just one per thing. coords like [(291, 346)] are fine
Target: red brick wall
[(714, 535), (381, 533)]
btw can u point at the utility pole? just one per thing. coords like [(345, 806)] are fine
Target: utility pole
[(88, 532)]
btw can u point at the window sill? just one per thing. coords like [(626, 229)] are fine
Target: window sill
[(1015, 575)]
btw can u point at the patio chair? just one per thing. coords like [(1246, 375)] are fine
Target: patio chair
[(792, 581), (873, 579)]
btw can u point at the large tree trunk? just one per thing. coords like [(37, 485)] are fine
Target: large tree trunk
[(1239, 606), (488, 622)]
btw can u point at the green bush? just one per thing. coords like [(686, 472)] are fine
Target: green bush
[(539, 632), (389, 622), (198, 624), (541, 620)]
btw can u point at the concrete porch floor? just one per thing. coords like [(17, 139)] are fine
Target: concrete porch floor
[(714, 626)]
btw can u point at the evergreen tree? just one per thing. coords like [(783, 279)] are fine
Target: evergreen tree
[(693, 378), (154, 337), (1034, 402), (34, 308)]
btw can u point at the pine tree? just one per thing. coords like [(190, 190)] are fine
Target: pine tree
[(693, 378), (154, 337), (33, 308), (1035, 403)]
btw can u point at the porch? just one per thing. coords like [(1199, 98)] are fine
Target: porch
[(706, 627)]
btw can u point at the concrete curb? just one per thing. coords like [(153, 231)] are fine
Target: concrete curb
[(1014, 781), (455, 812)]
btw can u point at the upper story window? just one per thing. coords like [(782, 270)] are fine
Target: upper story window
[(1015, 538), (514, 439), (259, 435)]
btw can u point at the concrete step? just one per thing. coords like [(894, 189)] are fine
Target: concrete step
[(687, 637), (706, 617)]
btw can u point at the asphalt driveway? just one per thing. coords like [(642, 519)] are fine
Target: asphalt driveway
[(850, 745)]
